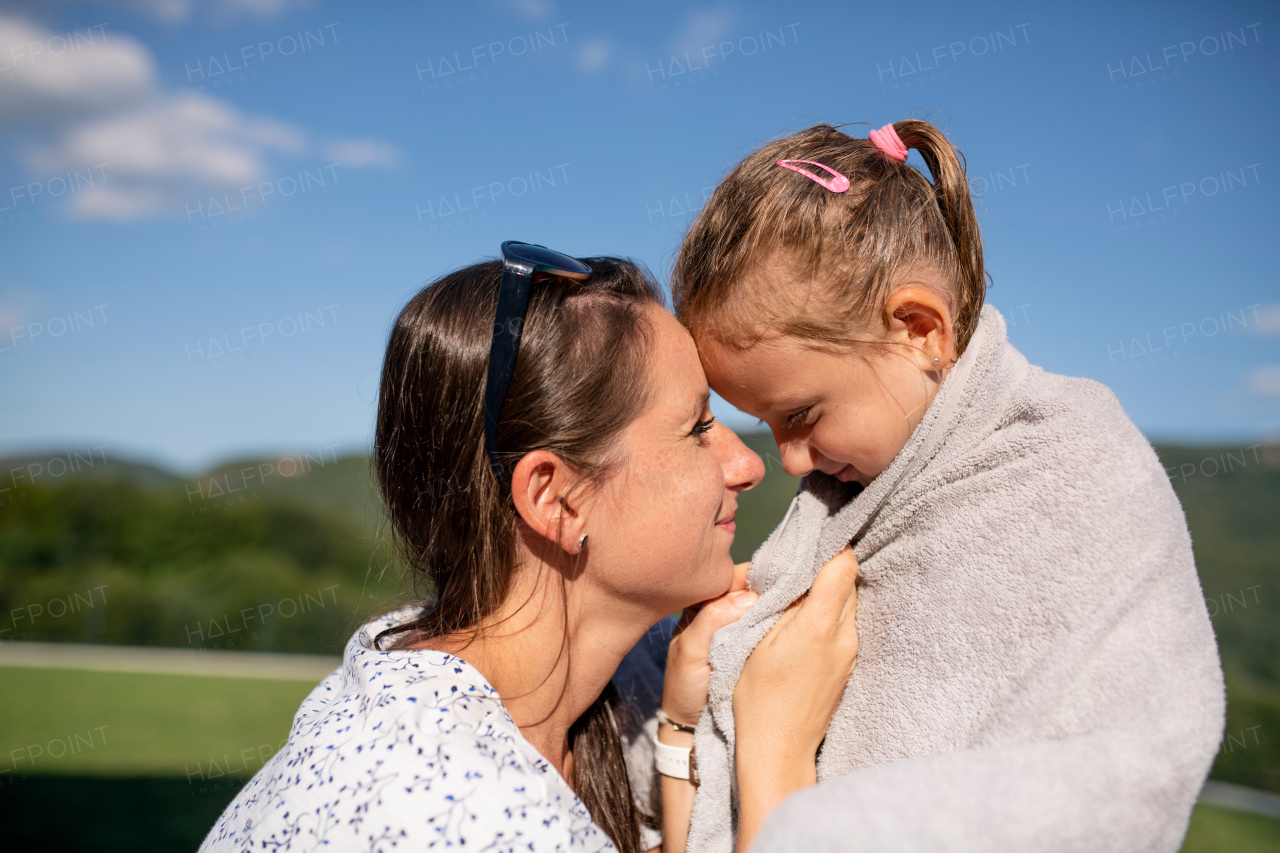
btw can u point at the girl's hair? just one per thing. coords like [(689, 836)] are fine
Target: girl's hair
[(891, 219), (580, 378)]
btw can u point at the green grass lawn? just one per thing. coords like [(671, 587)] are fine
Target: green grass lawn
[(1215, 830), (148, 761), (125, 724), (151, 760)]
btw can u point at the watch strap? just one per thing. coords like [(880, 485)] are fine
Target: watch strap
[(671, 760)]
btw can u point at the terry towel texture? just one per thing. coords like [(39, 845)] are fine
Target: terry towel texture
[(1036, 670)]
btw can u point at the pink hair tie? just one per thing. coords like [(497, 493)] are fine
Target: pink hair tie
[(837, 183), (886, 139)]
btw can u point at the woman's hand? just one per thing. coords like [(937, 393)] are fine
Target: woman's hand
[(790, 688), (684, 693), (684, 689)]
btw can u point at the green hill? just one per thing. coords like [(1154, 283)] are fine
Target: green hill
[(288, 554), (1231, 496), (279, 554)]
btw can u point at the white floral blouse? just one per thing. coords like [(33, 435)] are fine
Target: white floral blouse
[(409, 750)]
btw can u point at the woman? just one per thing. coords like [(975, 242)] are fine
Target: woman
[(490, 721)]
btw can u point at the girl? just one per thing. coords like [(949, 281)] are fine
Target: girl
[(485, 718), (1038, 670)]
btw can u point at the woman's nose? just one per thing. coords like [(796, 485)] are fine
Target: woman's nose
[(743, 467)]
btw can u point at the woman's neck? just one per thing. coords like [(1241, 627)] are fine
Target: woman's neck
[(549, 653)]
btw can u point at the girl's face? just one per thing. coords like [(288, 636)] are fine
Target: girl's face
[(848, 412), (665, 520)]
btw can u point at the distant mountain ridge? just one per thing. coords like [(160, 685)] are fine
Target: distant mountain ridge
[(320, 480), (325, 480)]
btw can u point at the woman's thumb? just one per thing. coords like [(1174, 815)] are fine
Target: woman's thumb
[(714, 615)]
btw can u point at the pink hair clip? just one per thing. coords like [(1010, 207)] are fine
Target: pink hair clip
[(837, 183), (886, 139)]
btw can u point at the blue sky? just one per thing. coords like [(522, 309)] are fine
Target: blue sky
[(213, 210)]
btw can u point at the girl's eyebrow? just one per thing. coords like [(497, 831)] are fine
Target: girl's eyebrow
[(770, 405)]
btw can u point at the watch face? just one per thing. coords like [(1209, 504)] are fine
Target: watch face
[(693, 767)]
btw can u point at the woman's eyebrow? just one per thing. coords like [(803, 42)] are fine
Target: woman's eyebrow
[(703, 401)]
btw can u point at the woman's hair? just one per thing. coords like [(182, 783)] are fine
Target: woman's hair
[(891, 219), (580, 378)]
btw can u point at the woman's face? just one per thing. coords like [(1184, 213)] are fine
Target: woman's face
[(661, 525)]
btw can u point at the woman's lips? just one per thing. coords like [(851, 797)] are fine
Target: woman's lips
[(727, 524)]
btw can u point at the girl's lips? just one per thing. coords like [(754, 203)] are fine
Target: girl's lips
[(846, 474)]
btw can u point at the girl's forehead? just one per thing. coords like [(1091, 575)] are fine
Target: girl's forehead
[(762, 363)]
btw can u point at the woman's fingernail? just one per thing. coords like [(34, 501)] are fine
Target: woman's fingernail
[(745, 598)]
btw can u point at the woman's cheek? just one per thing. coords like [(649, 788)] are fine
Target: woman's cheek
[(706, 488), (714, 490)]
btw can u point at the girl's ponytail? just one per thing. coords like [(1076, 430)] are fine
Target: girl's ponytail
[(951, 191)]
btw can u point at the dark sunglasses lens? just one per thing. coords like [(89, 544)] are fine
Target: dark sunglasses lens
[(545, 260)]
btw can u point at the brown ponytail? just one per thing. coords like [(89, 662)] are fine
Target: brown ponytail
[(891, 218), (951, 191), (579, 380), (600, 770)]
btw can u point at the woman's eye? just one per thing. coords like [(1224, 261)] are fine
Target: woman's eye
[(798, 419), (701, 428)]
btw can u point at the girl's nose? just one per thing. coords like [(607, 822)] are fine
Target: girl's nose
[(797, 458)]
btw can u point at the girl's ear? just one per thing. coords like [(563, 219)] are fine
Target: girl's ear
[(921, 319), (540, 486)]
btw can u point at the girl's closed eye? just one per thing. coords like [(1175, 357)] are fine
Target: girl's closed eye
[(799, 419)]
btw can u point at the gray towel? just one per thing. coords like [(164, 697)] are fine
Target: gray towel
[(1037, 670)]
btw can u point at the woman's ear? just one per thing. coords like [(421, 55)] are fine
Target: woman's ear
[(921, 319), (540, 488)]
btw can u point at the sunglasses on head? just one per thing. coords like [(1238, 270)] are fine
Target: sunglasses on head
[(520, 263)]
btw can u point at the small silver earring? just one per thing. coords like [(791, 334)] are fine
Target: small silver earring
[(582, 540), (935, 361)]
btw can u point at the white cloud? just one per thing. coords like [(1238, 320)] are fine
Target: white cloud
[(103, 106), (55, 77), (1266, 381), (165, 11), (218, 11), (1269, 320), (261, 10), (191, 137), (361, 153), (16, 307), (119, 202), (701, 28), (531, 11), (594, 54)]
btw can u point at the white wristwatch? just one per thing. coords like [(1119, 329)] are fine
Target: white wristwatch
[(675, 761)]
